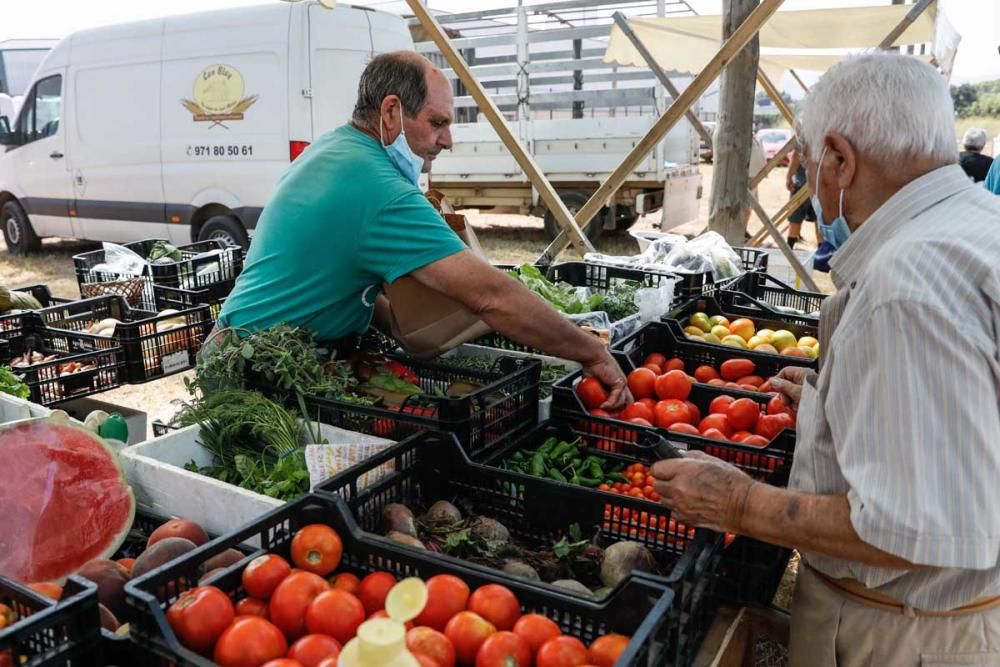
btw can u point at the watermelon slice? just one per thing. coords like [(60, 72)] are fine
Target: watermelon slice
[(64, 498)]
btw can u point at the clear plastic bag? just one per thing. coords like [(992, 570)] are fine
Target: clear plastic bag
[(671, 252), (121, 260)]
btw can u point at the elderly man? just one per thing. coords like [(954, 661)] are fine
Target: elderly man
[(348, 217), (895, 488), (973, 162)]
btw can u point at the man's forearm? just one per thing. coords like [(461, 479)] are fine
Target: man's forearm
[(810, 522)]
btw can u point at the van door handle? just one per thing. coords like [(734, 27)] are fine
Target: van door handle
[(55, 155)]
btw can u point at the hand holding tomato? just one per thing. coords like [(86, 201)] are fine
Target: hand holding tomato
[(607, 371), (788, 382), (703, 490)]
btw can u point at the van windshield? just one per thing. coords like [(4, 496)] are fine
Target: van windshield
[(17, 66)]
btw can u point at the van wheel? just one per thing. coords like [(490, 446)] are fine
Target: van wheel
[(224, 228), (574, 201), (17, 230)]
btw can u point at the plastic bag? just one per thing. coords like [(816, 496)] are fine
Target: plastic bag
[(706, 253), (121, 260)]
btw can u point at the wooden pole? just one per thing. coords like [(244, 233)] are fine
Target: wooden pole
[(775, 95), (523, 158), (784, 247), (789, 207), (907, 21), (670, 117), (772, 163), (798, 80)]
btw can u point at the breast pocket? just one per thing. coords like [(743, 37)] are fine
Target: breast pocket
[(985, 659)]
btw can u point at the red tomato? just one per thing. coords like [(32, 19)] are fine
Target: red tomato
[(446, 596), (656, 358), (345, 581), (317, 548), (766, 387), (263, 574), (753, 380), (433, 644), (199, 616), (641, 383), (683, 427), (716, 421), (755, 441), (504, 649), (673, 384), (787, 420), (673, 364), (292, 598), (740, 436), (714, 433), (251, 607), (694, 414), (733, 385), (314, 649), (249, 641), (769, 426), (373, 589), (742, 413), (777, 406), (653, 367), (716, 382), (606, 650), (335, 613), (671, 411), (591, 393), (287, 662), (705, 373), (648, 402), (639, 410), (467, 632), (497, 605), (733, 369), (562, 652), (536, 630), (640, 421)]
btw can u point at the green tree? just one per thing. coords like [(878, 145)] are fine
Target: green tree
[(963, 97)]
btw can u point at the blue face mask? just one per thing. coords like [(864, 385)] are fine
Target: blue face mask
[(409, 163), (837, 232)]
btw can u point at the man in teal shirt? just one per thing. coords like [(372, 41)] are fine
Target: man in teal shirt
[(992, 181), (348, 216)]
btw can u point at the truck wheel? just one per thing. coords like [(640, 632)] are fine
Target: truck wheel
[(624, 220), (17, 230), (574, 201), (224, 228)]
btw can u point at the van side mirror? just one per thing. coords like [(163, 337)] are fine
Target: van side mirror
[(7, 136)]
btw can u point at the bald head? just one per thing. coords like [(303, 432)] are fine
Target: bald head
[(402, 73)]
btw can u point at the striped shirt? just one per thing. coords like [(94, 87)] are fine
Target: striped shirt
[(904, 415)]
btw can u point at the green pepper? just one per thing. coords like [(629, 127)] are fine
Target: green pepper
[(555, 474), (560, 449), (589, 482), (615, 477), (595, 470), (537, 466), (517, 456), (618, 467), (547, 446)]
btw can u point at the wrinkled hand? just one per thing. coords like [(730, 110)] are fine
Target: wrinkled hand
[(788, 383), (789, 183), (702, 490), (607, 370)]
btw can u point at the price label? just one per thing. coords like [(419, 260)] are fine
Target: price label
[(175, 361)]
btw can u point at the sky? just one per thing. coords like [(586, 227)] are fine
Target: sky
[(978, 21)]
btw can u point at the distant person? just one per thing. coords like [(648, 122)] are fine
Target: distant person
[(972, 160), (795, 180), (992, 182)]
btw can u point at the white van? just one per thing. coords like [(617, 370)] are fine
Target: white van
[(179, 127)]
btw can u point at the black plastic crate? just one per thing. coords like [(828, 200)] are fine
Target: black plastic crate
[(212, 275), (771, 298), (149, 353), (14, 326), (751, 570), (432, 466), (639, 609), (49, 633), (506, 404), (83, 365), (691, 285), (660, 337), (176, 298)]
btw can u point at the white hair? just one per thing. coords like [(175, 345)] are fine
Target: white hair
[(974, 139), (891, 108)]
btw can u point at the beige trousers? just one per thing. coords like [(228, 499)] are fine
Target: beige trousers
[(828, 630)]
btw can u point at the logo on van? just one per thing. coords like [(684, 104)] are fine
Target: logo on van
[(218, 96)]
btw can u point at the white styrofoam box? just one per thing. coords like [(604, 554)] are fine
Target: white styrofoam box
[(155, 469), (779, 266), (545, 404), (136, 420), (13, 408)]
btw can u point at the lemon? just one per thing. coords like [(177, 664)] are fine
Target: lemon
[(716, 320), (733, 340), (766, 335), (711, 338), (808, 341), (810, 351), (406, 599), (783, 338), (700, 320), (694, 331), (720, 330)]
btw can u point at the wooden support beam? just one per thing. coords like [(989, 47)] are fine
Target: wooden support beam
[(523, 157), (798, 80), (772, 163), (907, 21), (775, 95), (782, 244), (790, 206), (670, 117)]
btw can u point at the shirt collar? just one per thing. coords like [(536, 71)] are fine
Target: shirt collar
[(915, 197)]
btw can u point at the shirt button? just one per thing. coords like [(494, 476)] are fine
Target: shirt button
[(854, 283)]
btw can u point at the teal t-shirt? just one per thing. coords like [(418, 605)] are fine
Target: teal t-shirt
[(342, 221)]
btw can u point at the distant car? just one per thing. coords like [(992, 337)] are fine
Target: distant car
[(772, 141), (705, 150)]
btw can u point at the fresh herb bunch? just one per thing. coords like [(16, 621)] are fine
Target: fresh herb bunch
[(283, 357), (562, 296), (619, 302), (12, 384), (550, 372), (255, 442)]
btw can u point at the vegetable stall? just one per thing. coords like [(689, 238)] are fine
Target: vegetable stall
[(313, 509)]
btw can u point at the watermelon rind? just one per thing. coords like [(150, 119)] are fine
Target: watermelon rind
[(116, 534)]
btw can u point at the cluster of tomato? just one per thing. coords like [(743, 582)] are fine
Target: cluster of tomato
[(639, 484), (662, 401), (302, 616)]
